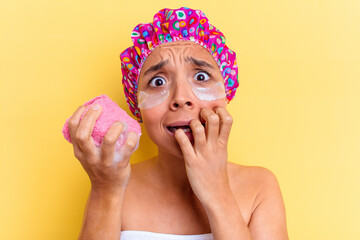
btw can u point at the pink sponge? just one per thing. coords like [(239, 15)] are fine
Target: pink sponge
[(111, 113)]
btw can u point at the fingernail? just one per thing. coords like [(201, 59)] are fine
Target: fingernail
[(95, 107)]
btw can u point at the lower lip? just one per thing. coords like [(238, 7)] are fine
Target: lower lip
[(188, 134)]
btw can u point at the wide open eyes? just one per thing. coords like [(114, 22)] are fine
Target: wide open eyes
[(157, 82), (160, 81), (202, 77), (203, 85)]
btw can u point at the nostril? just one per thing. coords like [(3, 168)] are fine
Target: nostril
[(176, 105)]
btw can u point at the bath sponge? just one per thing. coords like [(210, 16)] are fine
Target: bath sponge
[(111, 113)]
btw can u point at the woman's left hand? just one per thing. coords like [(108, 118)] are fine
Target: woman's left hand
[(206, 161)]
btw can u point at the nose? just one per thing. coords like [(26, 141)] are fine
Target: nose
[(182, 97)]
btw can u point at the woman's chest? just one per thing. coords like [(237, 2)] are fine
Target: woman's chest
[(166, 214), (173, 215)]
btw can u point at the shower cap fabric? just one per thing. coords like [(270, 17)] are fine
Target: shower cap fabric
[(170, 25)]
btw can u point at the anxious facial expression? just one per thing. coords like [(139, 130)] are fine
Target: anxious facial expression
[(176, 81)]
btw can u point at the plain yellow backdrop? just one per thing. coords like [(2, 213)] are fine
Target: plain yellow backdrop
[(296, 112)]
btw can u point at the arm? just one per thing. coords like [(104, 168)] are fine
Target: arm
[(226, 220), (267, 222), (102, 216), (109, 174), (206, 168)]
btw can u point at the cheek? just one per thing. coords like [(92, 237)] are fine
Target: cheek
[(152, 119), (147, 117), (151, 126), (213, 104), (155, 114)]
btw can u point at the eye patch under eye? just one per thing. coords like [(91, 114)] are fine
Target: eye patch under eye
[(150, 100), (206, 91), (209, 93)]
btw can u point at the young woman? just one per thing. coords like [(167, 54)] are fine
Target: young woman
[(178, 79)]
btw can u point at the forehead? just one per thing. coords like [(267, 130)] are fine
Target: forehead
[(176, 52), (180, 47)]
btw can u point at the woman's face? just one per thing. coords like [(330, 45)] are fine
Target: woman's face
[(176, 81)]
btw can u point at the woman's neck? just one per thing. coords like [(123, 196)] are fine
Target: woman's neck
[(171, 172)]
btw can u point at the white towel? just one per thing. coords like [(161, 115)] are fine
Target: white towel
[(144, 235)]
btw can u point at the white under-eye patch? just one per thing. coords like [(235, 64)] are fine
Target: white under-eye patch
[(150, 100), (208, 90), (209, 93)]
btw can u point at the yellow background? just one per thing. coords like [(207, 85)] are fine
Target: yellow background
[(296, 111)]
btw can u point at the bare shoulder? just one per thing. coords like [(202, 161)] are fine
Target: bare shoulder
[(266, 217), (254, 177), (250, 171)]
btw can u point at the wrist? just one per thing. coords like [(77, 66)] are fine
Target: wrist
[(225, 211), (107, 191), (221, 201)]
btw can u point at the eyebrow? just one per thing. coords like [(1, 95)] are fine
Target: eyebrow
[(199, 63), (194, 61), (156, 67)]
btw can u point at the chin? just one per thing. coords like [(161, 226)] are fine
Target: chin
[(164, 141), (170, 147)]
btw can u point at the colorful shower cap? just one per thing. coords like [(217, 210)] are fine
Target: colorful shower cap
[(170, 25)]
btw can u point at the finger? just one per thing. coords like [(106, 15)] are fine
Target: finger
[(84, 131), (198, 132), (73, 124), (108, 144), (185, 144), (226, 123), (212, 121), (128, 149)]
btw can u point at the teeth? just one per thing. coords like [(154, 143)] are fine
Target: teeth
[(173, 129)]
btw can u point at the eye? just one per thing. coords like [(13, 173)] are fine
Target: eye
[(202, 76), (157, 82)]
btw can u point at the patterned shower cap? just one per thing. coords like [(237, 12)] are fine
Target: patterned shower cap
[(170, 25)]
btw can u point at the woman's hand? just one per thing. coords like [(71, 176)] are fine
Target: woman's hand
[(206, 161), (108, 170)]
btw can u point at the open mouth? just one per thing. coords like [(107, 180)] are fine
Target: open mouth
[(185, 128)]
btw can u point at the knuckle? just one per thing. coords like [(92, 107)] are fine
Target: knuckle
[(89, 114), (109, 139), (89, 117), (214, 118), (80, 136), (198, 129), (132, 140), (72, 123), (228, 120), (195, 123), (78, 155), (131, 144)]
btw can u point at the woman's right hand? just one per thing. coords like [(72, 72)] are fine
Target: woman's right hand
[(108, 170)]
